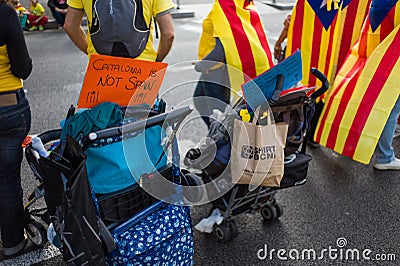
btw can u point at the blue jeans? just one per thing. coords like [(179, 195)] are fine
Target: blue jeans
[(15, 123), (60, 17), (384, 151)]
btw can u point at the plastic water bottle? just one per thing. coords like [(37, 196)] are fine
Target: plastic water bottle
[(37, 145)]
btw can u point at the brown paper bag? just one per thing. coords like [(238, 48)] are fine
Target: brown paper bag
[(257, 156)]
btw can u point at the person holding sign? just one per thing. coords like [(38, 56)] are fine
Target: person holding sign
[(223, 52), (133, 37)]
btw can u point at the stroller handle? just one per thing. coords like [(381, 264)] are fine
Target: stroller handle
[(278, 89), (325, 83), (50, 135), (176, 115), (45, 137)]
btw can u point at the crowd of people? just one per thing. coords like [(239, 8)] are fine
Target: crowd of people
[(35, 18), (215, 45)]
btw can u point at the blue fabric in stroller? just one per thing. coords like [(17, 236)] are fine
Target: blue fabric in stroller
[(106, 164), (164, 237)]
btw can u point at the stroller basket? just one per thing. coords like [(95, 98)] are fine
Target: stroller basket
[(117, 207)]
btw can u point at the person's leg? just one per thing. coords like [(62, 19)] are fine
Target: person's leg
[(23, 20), (62, 21), (43, 22), (397, 130), (209, 96), (384, 150), (313, 124), (58, 16), (32, 19), (200, 102), (220, 93), (14, 126)]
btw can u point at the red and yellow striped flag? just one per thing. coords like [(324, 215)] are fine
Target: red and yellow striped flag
[(364, 92), (239, 27), (347, 30), (324, 42)]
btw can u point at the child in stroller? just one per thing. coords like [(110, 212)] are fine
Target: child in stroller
[(294, 106)]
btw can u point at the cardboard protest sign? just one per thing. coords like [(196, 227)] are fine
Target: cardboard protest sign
[(121, 80)]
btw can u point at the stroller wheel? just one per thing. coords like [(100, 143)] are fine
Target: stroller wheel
[(279, 210), (194, 191), (269, 212), (36, 233), (223, 233), (233, 228)]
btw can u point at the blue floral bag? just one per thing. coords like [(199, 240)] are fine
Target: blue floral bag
[(159, 235)]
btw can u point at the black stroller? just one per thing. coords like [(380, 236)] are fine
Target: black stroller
[(295, 107), (96, 225)]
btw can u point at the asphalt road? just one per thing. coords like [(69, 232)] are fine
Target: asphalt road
[(344, 207)]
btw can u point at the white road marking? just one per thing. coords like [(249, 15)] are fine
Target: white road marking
[(191, 28), (181, 68)]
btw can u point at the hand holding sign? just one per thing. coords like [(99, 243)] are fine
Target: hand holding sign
[(118, 80)]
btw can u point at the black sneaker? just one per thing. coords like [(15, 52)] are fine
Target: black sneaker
[(13, 251), (313, 144)]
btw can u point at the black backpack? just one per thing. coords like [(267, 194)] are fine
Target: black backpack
[(118, 28)]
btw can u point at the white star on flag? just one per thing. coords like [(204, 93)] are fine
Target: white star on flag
[(328, 4)]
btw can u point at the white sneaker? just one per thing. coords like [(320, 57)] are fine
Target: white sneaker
[(397, 131), (393, 165)]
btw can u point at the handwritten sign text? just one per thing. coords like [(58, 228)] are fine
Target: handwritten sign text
[(124, 81)]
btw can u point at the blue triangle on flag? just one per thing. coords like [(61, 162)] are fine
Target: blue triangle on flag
[(379, 10), (326, 17), (346, 3)]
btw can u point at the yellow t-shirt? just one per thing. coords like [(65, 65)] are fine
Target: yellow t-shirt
[(207, 40), (37, 10), (8, 81), (151, 8), (232, 20)]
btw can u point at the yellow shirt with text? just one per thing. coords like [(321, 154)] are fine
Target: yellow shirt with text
[(37, 10)]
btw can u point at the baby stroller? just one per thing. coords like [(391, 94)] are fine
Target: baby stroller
[(295, 107), (98, 209)]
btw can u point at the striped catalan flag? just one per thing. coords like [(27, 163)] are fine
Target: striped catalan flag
[(307, 33), (239, 27), (324, 36), (365, 90), (347, 30)]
